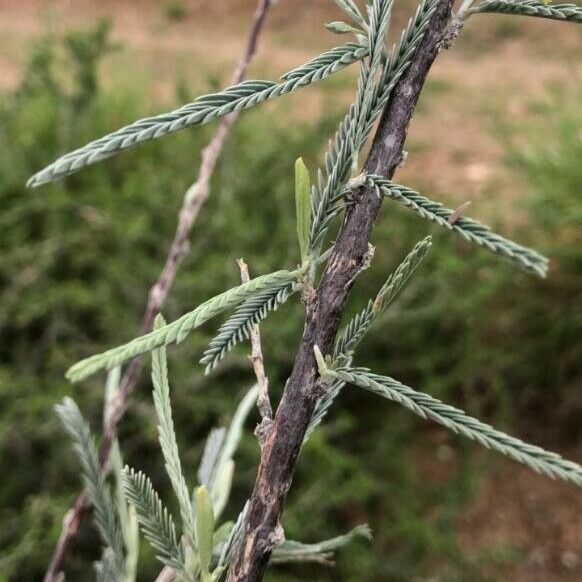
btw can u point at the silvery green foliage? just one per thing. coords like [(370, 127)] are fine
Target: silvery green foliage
[(342, 157), (566, 12), (352, 10), (401, 55), (178, 330), (360, 324), (291, 551), (126, 514), (322, 552), (328, 193), (99, 494), (167, 436), (238, 327), (343, 154), (157, 524), (317, 68), (426, 406), (194, 550), (203, 110), (189, 549), (230, 545), (469, 229), (106, 568), (204, 553), (217, 465)]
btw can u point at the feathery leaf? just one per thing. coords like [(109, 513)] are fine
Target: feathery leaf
[(426, 406), (167, 436), (203, 110), (565, 12), (234, 538), (204, 530), (469, 229), (359, 325), (178, 330), (401, 56), (291, 551), (352, 10), (343, 153), (156, 522), (339, 56), (327, 194), (238, 327), (94, 479), (302, 207)]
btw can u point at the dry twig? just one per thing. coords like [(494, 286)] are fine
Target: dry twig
[(256, 357)]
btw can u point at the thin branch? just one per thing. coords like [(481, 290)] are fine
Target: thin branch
[(281, 450), (263, 401), (193, 202)]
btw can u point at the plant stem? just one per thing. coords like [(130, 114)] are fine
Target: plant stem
[(282, 446), (256, 357), (194, 198)]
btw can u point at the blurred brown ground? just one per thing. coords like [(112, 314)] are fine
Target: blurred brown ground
[(498, 64)]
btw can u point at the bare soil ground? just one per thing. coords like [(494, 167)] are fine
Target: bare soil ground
[(535, 518), (498, 66)]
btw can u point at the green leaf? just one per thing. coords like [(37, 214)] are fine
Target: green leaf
[(239, 325), (321, 552), (220, 491), (340, 27), (426, 406), (167, 434), (221, 534), (126, 513), (156, 522), (178, 330), (99, 493), (469, 229), (543, 9), (204, 529), (352, 10), (303, 206), (203, 110)]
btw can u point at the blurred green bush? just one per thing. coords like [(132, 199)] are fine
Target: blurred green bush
[(78, 257)]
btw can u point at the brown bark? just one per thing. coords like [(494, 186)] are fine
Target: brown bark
[(281, 449), (193, 202)]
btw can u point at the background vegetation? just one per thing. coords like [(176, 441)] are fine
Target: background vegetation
[(77, 258)]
